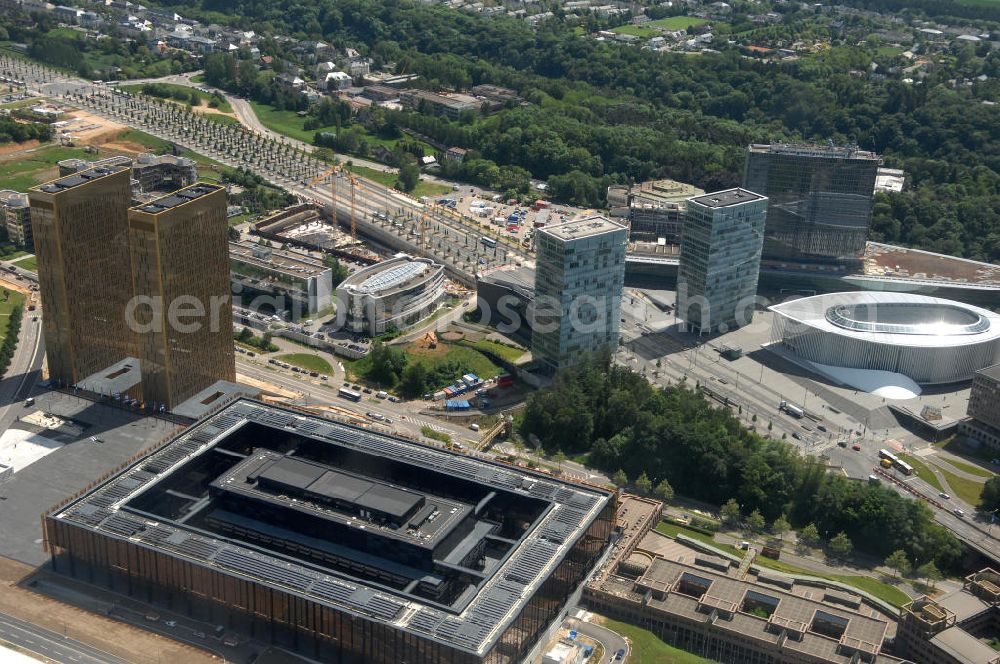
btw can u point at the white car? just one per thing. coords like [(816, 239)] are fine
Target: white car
[(944, 495)]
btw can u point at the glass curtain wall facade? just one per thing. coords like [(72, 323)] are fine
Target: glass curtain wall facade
[(820, 200), (720, 260), (179, 261), (80, 229), (579, 279)]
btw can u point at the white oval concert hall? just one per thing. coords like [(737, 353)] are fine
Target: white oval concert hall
[(928, 339)]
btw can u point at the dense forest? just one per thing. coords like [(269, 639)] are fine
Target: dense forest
[(674, 434), (12, 131), (602, 113)]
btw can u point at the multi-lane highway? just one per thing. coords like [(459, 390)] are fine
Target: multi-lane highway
[(48, 644)]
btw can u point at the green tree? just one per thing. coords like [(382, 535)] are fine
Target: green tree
[(756, 522), (898, 562), (338, 271), (620, 478), (730, 512), (929, 572), (409, 177), (643, 484), (780, 526), (413, 382), (245, 335), (809, 536), (265, 341), (387, 364), (664, 491), (559, 458), (841, 546), (990, 498)]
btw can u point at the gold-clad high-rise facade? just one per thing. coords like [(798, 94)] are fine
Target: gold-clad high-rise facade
[(180, 276), (80, 226)]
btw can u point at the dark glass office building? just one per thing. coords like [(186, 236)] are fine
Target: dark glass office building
[(336, 542), (820, 200)]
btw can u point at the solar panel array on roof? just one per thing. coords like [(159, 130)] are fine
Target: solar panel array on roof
[(123, 525), (245, 563), (487, 609), (392, 277), (530, 560), (426, 620)]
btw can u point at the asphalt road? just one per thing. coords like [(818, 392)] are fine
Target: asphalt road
[(612, 641), (51, 645)]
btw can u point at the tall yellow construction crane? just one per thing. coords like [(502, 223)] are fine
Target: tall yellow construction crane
[(335, 172)]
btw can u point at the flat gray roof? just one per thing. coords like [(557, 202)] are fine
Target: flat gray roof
[(76, 179), (117, 378), (725, 198), (964, 647), (221, 391), (581, 228), (179, 197)]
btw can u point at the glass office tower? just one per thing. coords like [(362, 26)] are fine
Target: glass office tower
[(720, 260), (820, 200)]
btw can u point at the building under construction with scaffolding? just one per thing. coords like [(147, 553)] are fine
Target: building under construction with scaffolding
[(336, 542)]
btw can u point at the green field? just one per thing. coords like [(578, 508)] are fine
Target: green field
[(287, 123), (874, 587), (221, 119), (28, 263), (434, 434), (423, 188), (24, 170), (203, 98), (963, 489), (972, 469), (673, 529), (921, 470), (508, 353), (13, 301), (648, 648), (636, 30), (307, 362), (155, 144), (678, 22)]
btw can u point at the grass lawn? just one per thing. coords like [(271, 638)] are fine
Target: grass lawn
[(921, 470), (648, 648), (963, 489), (677, 22), (14, 300), (508, 353), (423, 188), (434, 434), (13, 256), (637, 30), (21, 171), (223, 106), (972, 469), (883, 591), (287, 123), (21, 103), (888, 51), (155, 144), (28, 263), (307, 361), (221, 119), (673, 529)]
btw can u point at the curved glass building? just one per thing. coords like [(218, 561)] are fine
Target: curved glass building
[(928, 339)]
